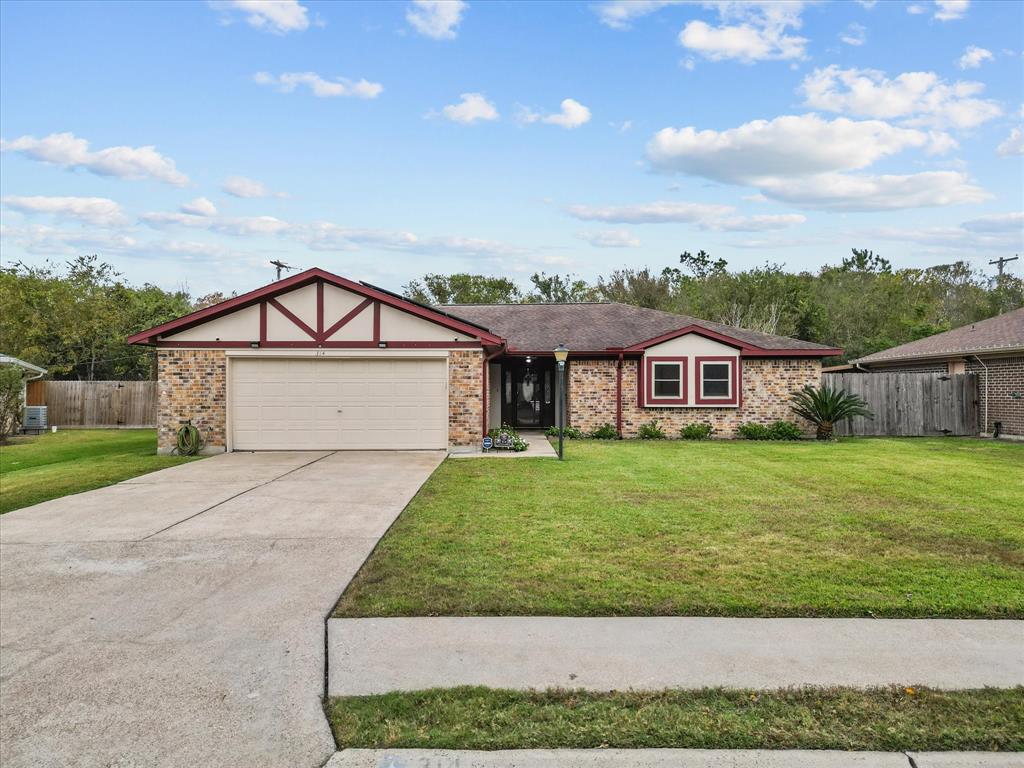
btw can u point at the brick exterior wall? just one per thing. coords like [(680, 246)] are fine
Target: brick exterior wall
[(767, 386), (1005, 393), (192, 386), (465, 398)]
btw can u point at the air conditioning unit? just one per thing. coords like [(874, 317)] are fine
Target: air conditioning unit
[(35, 419)]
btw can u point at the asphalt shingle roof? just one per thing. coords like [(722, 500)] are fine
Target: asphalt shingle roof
[(1003, 332), (594, 327)]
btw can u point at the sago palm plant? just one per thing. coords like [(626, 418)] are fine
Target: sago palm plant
[(823, 406)]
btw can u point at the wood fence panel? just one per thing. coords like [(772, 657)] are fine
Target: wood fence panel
[(101, 403), (35, 392), (911, 404)]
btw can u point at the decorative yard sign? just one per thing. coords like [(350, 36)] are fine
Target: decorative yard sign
[(504, 441), (488, 443)]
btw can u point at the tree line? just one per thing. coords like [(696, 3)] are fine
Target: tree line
[(862, 304), (74, 319)]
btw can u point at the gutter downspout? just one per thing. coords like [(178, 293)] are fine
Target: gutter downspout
[(618, 397), (984, 430), (485, 388)]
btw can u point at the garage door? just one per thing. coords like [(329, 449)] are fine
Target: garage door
[(334, 403)]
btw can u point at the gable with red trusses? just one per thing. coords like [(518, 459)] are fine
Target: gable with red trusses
[(318, 309)]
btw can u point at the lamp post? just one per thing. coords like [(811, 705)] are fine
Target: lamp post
[(561, 355)]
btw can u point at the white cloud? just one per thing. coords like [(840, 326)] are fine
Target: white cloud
[(800, 160), (706, 216), (201, 206), (609, 238), (1012, 145), (849, 192), (790, 145), (759, 223), (436, 19), (974, 57), (322, 88), (950, 10), (997, 222), (749, 32), (572, 115), (241, 186), (868, 4), (916, 97), (619, 14), (660, 212), (241, 226), (69, 151), (855, 34), (99, 211), (51, 241), (472, 108), (278, 16), (916, 9)]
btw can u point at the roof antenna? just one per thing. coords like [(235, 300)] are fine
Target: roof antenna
[(281, 265)]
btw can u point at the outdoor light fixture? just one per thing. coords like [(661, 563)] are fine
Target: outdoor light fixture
[(561, 355), (254, 344), (382, 344), (529, 359)]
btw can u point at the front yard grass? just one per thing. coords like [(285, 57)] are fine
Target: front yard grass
[(887, 719), (868, 527), (37, 469)]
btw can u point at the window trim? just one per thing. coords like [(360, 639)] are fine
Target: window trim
[(733, 397), (650, 399)]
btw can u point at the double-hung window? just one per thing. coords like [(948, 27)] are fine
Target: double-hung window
[(716, 380), (666, 381)]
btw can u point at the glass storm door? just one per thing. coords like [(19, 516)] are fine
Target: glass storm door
[(529, 395)]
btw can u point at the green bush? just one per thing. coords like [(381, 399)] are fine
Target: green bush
[(778, 430), (650, 431), (10, 400), (752, 431), (784, 430), (696, 431), (518, 444), (605, 432), (569, 433)]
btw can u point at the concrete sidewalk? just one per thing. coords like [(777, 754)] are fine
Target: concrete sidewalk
[(667, 758), (368, 656)]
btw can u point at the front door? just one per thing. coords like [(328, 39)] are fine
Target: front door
[(528, 394)]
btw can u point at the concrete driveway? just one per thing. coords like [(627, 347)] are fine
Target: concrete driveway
[(177, 619)]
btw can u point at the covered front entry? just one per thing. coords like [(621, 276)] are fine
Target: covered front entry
[(331, 403), (528, 392)]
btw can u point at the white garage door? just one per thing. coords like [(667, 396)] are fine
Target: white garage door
[(337, 403)]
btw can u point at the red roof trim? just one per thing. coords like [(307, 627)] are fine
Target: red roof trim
[(300, 280), (747, 350)]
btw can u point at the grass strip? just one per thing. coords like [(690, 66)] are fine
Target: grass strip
[(885, 719)]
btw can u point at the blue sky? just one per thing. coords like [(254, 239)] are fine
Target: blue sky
[(190, 142)]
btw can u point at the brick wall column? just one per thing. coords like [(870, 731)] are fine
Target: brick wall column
[(192, 386), (465, 398)]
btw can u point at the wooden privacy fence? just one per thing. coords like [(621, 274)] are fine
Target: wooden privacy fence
[(911, 404), (96, 403)]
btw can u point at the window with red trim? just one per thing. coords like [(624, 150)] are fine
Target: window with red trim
[(665, 381), (716, 381)]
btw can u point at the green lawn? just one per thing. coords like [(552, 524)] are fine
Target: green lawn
[(888, 719), (869, 527), (35, 469)]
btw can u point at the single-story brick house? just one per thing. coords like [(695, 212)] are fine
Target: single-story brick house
[(993, 349), (318, 361)]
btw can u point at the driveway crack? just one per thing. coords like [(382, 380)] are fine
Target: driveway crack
[(242, 493)]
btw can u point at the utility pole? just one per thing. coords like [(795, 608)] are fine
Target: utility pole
[(1001, 262), (281, 265)]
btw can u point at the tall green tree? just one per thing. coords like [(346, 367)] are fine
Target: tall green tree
[(463, 288)]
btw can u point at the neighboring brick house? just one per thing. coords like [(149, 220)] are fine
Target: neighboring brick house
[(316, 361), (992, 349)]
